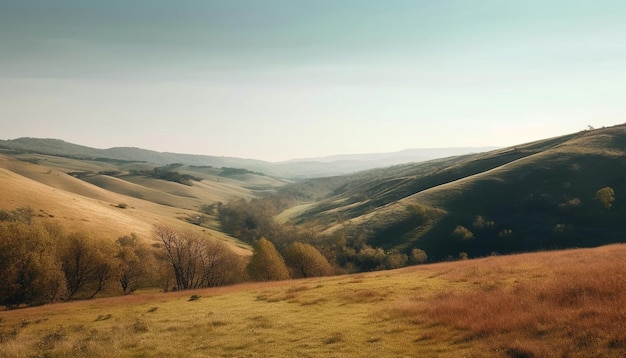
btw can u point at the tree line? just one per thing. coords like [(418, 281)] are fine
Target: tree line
[(346, 250), (41, 263)]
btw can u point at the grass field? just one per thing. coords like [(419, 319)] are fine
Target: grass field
[(80, 206), (563, 303)]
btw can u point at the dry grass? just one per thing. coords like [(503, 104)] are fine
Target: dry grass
[(569, 304), (80, 206)]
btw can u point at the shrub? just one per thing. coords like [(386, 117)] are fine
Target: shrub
[(606, 196), (462, 233), (418, 256), (305, 260), (266, 264)]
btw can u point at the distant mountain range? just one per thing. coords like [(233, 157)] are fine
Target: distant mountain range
[(295, 169)]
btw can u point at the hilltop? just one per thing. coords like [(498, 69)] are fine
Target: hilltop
[(293, 169)]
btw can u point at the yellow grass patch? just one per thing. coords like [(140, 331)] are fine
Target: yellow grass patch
[(568, 303)]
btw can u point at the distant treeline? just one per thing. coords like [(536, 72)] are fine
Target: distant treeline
[(346, 250), (164, 173)]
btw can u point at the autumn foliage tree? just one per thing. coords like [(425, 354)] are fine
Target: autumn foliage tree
[(31, 274), (88, 265), (266, 263), (136, 263), (305, 260), (606, 197)]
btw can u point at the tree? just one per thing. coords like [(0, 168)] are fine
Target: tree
[(606, 196), (88, 265), (30, 272), (266, 264), (305, 260), (462, 233), (136, 263), (418, 256), (197, 261)]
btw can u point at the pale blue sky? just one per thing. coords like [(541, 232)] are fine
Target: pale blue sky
[(277, 80)]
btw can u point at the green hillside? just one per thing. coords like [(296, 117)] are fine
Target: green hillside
[(540, 195)]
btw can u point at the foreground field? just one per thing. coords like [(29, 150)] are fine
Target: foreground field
[(568, 303)]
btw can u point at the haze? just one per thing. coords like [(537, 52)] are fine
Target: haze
[(276, 80)]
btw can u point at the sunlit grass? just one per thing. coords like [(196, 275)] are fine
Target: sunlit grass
[(569, 303)]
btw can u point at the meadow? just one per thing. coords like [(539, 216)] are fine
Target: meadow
[(562, 303)]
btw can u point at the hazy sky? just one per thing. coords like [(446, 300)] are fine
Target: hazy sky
[(281, 79)]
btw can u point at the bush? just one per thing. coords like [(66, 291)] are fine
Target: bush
[(305, 260), (462, 233), (266, 264)]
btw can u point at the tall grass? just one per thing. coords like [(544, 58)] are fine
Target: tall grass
[(567, 305)]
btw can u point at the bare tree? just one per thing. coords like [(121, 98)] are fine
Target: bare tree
[(196, 260)]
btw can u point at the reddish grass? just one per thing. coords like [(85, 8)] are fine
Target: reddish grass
[(577, 307)]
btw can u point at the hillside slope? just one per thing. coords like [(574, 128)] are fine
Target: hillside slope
[(115, 209), (297, 168), (533, 196)]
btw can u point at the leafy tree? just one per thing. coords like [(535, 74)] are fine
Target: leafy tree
[(480, 223), (136, 263), (418, 256), (370, 259), (88, 265), (30, 272), (266, 264), (462, 233), (606, 196), (395, 259), (305, 260)]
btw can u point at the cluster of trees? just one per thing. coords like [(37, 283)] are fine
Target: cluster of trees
[(42, 263), (346, 250), (300, 260), (164, 173)]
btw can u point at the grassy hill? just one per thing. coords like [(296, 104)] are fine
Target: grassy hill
[(297, 168), (539, 195), (112, 198), (564, 303)]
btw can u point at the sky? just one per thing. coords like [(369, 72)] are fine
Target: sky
[(283, 79)]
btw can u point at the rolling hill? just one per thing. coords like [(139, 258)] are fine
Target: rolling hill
[(111, 198), (293, 169), (539, 195)]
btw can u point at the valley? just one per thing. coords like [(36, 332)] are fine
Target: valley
[(479, 233)]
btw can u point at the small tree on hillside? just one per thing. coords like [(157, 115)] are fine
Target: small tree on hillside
[(266, 264), (606, 197), (462, 233), (418, 256), (305, 260)]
